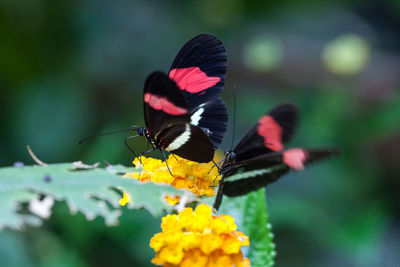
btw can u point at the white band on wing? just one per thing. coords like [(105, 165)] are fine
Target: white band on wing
[(196, 117), (180, 140)]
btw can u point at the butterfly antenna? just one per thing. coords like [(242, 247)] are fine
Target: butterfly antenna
[(234, 116), (98, 135)]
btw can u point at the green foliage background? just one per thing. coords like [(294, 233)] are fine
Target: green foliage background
[(69, 70)]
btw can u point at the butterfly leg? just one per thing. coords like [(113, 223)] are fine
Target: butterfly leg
[(218, 198), (226, 170), (216, 165), (166, 163), (146, 152), (141, 154), (140, 158), (219, 169), (127, 145), (131, 150), (174, 156)]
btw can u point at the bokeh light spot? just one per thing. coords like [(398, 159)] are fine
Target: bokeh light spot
[(263, 53), (346, 55)]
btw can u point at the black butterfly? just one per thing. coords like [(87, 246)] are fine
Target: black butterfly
[(262, 156), (183, 111)]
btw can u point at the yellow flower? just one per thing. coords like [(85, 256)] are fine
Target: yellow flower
[(196, 238), (126, 198), (172, 200), (194, 176)]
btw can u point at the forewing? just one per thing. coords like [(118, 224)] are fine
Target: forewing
[(270, 133), (164, 104), (199, 69)]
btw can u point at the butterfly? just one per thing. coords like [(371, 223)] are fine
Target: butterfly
[(260, 158), (183, 111)]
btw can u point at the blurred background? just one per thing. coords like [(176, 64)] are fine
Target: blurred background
[(69, 70)]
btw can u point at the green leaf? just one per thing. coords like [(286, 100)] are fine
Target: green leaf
[(93, 192), (251, 217)]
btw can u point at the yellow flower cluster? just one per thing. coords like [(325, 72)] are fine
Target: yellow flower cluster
[(187, 174), (196, 238)]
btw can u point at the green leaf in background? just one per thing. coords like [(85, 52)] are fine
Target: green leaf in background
[(251, 217), (93, 192), (13, 251)]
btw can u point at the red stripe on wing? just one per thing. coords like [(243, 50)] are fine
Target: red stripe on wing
[(162, 103), (295, 158), (192, 79), (271, 131)]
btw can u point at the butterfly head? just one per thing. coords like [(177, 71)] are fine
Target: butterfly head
[(141, 130), (230, 156)]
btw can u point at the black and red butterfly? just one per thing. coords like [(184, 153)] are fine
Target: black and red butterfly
[(183, 111), (260, 157)]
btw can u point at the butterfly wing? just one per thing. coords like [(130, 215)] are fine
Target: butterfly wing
[(164, 105), (212, 118), (270, 133), (267, 168), (199, 68), (167, 119), (199, 71), (187, 141)]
